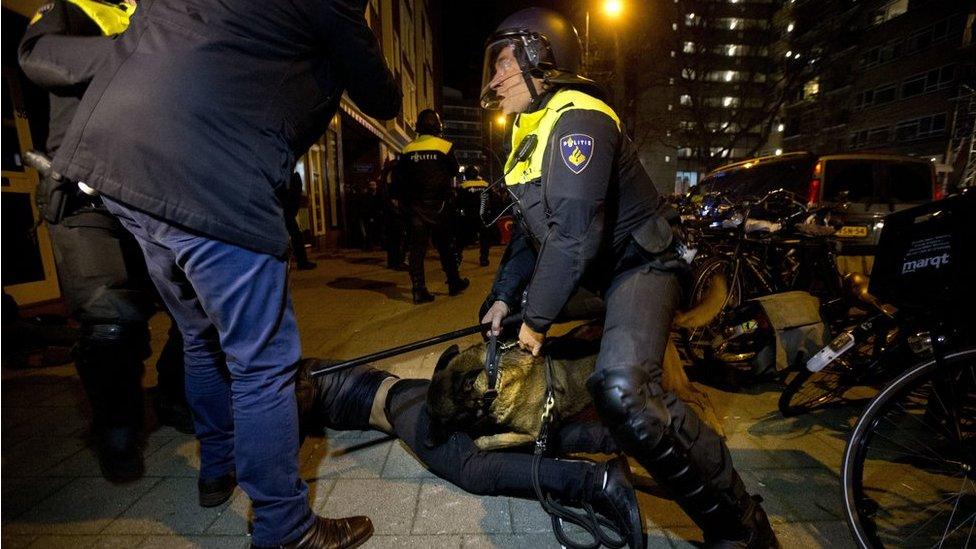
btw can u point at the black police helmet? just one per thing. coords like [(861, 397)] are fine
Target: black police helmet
[(429, 123), (471, 173), (546, 46)]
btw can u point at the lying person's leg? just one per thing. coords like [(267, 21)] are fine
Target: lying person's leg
[(590, 437), (349, 400)]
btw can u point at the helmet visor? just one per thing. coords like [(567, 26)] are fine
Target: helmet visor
[(500, 71)]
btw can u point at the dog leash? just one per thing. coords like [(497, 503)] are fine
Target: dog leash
[(594, 524)]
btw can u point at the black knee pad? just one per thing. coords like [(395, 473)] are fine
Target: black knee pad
[(630, 405), (116, 342)]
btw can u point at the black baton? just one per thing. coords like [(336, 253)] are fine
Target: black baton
[(380, 355)]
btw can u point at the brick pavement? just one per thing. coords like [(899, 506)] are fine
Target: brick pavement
[(53, 496)]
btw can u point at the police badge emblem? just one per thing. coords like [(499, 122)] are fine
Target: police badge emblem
[(576, 150)]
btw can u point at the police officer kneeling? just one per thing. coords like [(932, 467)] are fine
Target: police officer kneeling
[(591, 217)]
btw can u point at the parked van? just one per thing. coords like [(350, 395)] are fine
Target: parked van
[(859, 188)]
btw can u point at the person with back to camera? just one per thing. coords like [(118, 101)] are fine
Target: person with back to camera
[(187, 133)]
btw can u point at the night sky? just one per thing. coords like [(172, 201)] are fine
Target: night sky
[(466, 26)]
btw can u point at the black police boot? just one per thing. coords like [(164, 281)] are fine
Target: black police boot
[(758, 532), (172, 411), (421, 295), (341, 401), (458, 285), (114, 391), (683, 455), (612, 495), (483, 261)]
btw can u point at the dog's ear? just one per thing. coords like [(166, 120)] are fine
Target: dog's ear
[(446, 357)]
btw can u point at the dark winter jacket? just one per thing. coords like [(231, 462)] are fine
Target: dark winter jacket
[(199, 115)]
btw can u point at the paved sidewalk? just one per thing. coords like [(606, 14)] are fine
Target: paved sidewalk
[(53, 496)]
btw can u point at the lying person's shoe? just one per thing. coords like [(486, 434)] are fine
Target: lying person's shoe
[(345, 398), (341, 533), (758, 532), (214, 492), (457, 286), (612, 496)]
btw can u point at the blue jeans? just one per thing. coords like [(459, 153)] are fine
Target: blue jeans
[(241, 344)]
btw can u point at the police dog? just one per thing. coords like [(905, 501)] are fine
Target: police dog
[(455, 399)]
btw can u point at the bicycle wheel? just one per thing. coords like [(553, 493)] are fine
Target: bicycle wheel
[(909, 470), (807, 391), (698, 342), (850, 378)]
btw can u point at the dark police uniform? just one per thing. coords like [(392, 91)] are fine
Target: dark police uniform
[(470, 200), (591, 217), (188, 133), (422, 180), (101, 269)]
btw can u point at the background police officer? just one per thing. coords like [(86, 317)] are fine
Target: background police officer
[(469, 199), (592, 218), (423, 179), (102, 273)]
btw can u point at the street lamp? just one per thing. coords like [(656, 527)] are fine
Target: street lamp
[(612, 9), (501, 120)]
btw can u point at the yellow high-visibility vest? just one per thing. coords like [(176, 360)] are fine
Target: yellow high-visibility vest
[(428, 143), (474, 184), (541, 123)]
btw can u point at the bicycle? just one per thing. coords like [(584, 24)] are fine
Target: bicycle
[(757, 258), (909, 469)]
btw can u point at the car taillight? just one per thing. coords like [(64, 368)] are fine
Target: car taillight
[(813, 191), (936, 188)]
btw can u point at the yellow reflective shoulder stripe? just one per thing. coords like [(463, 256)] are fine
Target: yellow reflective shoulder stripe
[(429, 143), (541, 123), (474, 184), (111, 18)]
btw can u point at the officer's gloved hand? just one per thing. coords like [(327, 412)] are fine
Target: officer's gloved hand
[(495, 314)]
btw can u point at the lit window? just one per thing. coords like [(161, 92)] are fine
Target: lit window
[(780, 128), (668, 158), (731, 51), (797, 56), (789, 53), (689, 47), (779, 152), (672, 53), (685, 100), (727, 102), (670, 107), (674, 26), (789, 28), (729, 75), (671, 81), (733, 24)]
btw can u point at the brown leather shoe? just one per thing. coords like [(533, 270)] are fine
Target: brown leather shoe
[(326, 533)]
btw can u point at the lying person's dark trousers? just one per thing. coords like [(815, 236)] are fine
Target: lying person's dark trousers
[(343, 401)]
